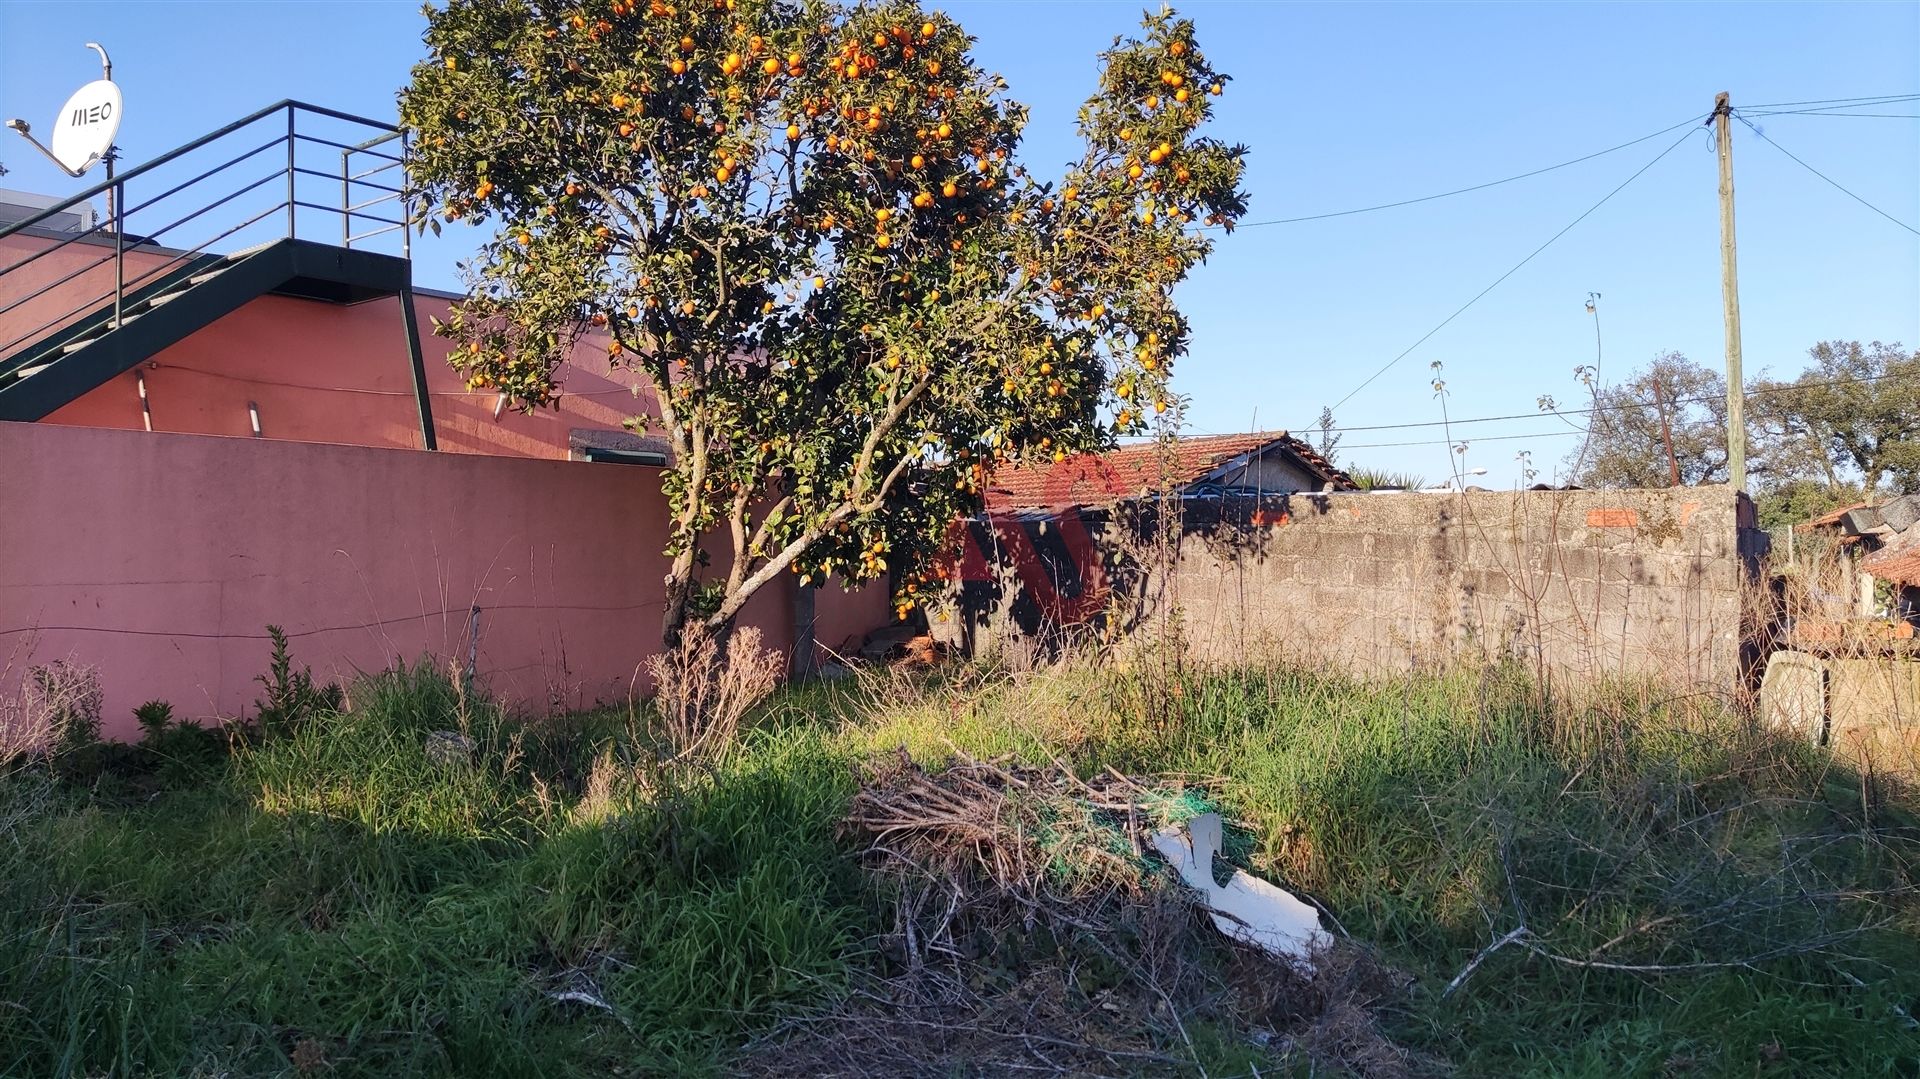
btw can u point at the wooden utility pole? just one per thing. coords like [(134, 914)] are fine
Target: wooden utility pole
[(1666, 433), (1730, 297)]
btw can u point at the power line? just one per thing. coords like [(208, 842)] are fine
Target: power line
[(1461, 190), (1823, 109), (1838, 102), (1839, 115), (1824, 176), (1786, 388), (1458, 441), (422, 616), (1604, 199), (1624, 406), (368, 391)]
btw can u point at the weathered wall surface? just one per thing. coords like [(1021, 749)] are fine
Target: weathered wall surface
[(1874, 709), (1272, 472), (160, 559), (1593, 583), (1864, 700)]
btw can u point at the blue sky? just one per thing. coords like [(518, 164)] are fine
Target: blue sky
[(1343, 105)]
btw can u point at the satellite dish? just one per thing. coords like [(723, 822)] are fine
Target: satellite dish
[(87, 123)]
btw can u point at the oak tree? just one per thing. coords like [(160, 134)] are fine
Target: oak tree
[(806, 224), (1630, 423), (1853, 416)]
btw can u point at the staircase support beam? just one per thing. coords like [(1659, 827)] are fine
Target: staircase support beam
[(411, 322)]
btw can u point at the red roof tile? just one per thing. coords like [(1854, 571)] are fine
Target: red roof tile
[(1900, 565), (1097, 479)]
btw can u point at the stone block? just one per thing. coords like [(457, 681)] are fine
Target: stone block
[(1793, 695)]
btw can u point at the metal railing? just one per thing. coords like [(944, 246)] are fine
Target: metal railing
[(174, 226)]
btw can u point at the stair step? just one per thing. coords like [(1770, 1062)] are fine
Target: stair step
[(129, 318)]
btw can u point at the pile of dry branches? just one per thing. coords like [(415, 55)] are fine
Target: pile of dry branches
[(1033, 932), (1026, 831)]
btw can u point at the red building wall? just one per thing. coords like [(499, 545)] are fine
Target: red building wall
[(318, 372)]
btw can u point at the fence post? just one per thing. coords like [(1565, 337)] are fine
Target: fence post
[(290, 173), (406, 203), (119, 252), (473, 647), (346, 202)]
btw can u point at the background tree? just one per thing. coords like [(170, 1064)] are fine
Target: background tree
[(1625, 446), (1788, 500), (1853, 418), (1327, 440), (805, 225)]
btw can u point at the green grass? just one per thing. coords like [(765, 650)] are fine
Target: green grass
[(333, 886), (330, 891)]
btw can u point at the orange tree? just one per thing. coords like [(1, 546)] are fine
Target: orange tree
[(804, 222)]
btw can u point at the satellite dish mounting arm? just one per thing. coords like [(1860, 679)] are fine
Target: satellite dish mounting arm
[(26, 132)]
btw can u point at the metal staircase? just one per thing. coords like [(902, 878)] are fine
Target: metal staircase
[(196, 249)]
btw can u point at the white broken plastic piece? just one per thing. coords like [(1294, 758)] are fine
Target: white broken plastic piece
[(1247, 909)]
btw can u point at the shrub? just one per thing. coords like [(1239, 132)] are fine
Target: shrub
[(24, 728), (61, 713), (154, 718), (291, 696)]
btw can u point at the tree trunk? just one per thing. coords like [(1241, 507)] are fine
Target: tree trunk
[(679, 598)]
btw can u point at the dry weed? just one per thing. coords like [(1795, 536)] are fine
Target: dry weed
[(25, 728), (703, 690)]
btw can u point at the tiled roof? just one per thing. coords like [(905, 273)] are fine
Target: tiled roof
[(1898, 564), (1097, 479), (1828, 520)]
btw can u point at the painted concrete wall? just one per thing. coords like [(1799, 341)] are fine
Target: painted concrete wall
[(40, 294), (160, 558), (319, 372)]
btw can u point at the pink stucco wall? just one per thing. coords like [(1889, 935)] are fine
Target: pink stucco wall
[(160, 558)]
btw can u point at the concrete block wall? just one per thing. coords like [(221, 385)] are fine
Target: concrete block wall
[(1589, 583), (1864, 701)]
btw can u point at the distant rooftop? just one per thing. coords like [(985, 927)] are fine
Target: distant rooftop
[(17, 206), (1130, 471)]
